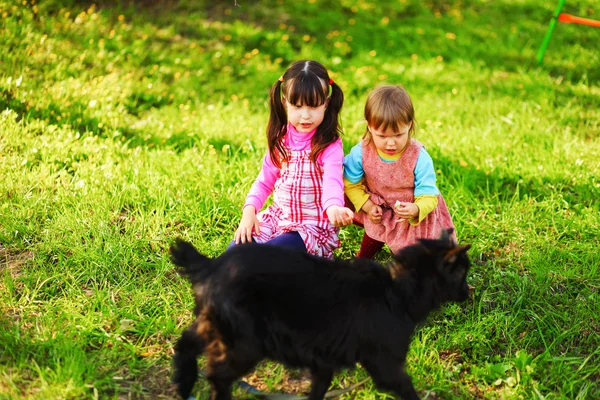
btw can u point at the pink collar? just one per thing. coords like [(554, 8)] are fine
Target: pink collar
[(299, 140)]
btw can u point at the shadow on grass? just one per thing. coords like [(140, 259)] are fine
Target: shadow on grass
[(506, 187), (75, 118), (480, 39)]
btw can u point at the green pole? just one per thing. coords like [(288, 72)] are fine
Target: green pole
[(553, 22)]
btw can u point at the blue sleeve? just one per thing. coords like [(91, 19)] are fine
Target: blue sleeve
[(353, 169), (425, 175)]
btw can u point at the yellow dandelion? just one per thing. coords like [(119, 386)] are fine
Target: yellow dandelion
[(450, 35)]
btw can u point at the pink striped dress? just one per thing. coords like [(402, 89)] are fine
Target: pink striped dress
[(300, 196)]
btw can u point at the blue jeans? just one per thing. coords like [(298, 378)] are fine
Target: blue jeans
[(290, 240)]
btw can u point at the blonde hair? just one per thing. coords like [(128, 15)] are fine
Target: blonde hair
[(389, 106)]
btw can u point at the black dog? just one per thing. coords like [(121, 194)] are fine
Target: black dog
[(259, 301)]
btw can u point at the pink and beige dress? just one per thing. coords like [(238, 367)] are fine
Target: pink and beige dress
[(387, 182)]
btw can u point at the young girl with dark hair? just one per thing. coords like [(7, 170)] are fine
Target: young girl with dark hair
[(302, 168)]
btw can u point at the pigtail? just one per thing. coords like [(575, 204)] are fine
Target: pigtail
[(335, 105), (330, 129), (276, 128)]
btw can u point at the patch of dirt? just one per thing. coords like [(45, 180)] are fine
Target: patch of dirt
[(13, 262), (449, 358), (290, 381), (155, 383)]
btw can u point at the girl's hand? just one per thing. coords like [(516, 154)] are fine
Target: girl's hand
[(406, 210), (373, 211), (248, 223), (340, 216)]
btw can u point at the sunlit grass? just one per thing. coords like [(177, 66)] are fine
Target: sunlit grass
[(125, 126)]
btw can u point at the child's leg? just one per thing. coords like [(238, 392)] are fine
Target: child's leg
[(369, 247), (291, 240), (232, 244)]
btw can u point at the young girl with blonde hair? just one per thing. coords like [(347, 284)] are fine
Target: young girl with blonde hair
[(389, 177), (302, 168)]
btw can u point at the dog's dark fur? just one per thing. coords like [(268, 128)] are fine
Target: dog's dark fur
[(259, 301)]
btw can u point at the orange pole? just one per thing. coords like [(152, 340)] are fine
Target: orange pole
[(571, 19)]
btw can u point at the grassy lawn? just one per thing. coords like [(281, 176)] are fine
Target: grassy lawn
[(126, 125)]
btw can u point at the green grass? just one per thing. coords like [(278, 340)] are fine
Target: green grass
[(124, 126)]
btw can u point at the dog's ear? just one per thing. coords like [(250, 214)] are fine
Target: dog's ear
[(430, 245), (452, 255), (446, 237), (436, 246)]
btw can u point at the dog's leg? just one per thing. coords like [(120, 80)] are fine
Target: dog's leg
[(187, 349), (226, 366), (321, 379), (221, 389), (389, 375), (405, 388)]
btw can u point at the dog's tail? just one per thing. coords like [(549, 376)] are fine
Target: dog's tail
[(192, 265)]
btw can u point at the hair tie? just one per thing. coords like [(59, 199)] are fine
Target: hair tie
[(281, 78), (330, 81)]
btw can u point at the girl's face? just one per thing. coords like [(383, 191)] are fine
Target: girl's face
[(389, 141), (305, 118)]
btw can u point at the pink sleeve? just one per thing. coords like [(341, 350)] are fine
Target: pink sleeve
[(263, 185), (332, 159)]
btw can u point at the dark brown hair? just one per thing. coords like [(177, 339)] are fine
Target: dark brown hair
[(389, 106), (305, 82)]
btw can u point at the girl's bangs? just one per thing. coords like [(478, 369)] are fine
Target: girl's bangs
[(307, 91), (385, 120)]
